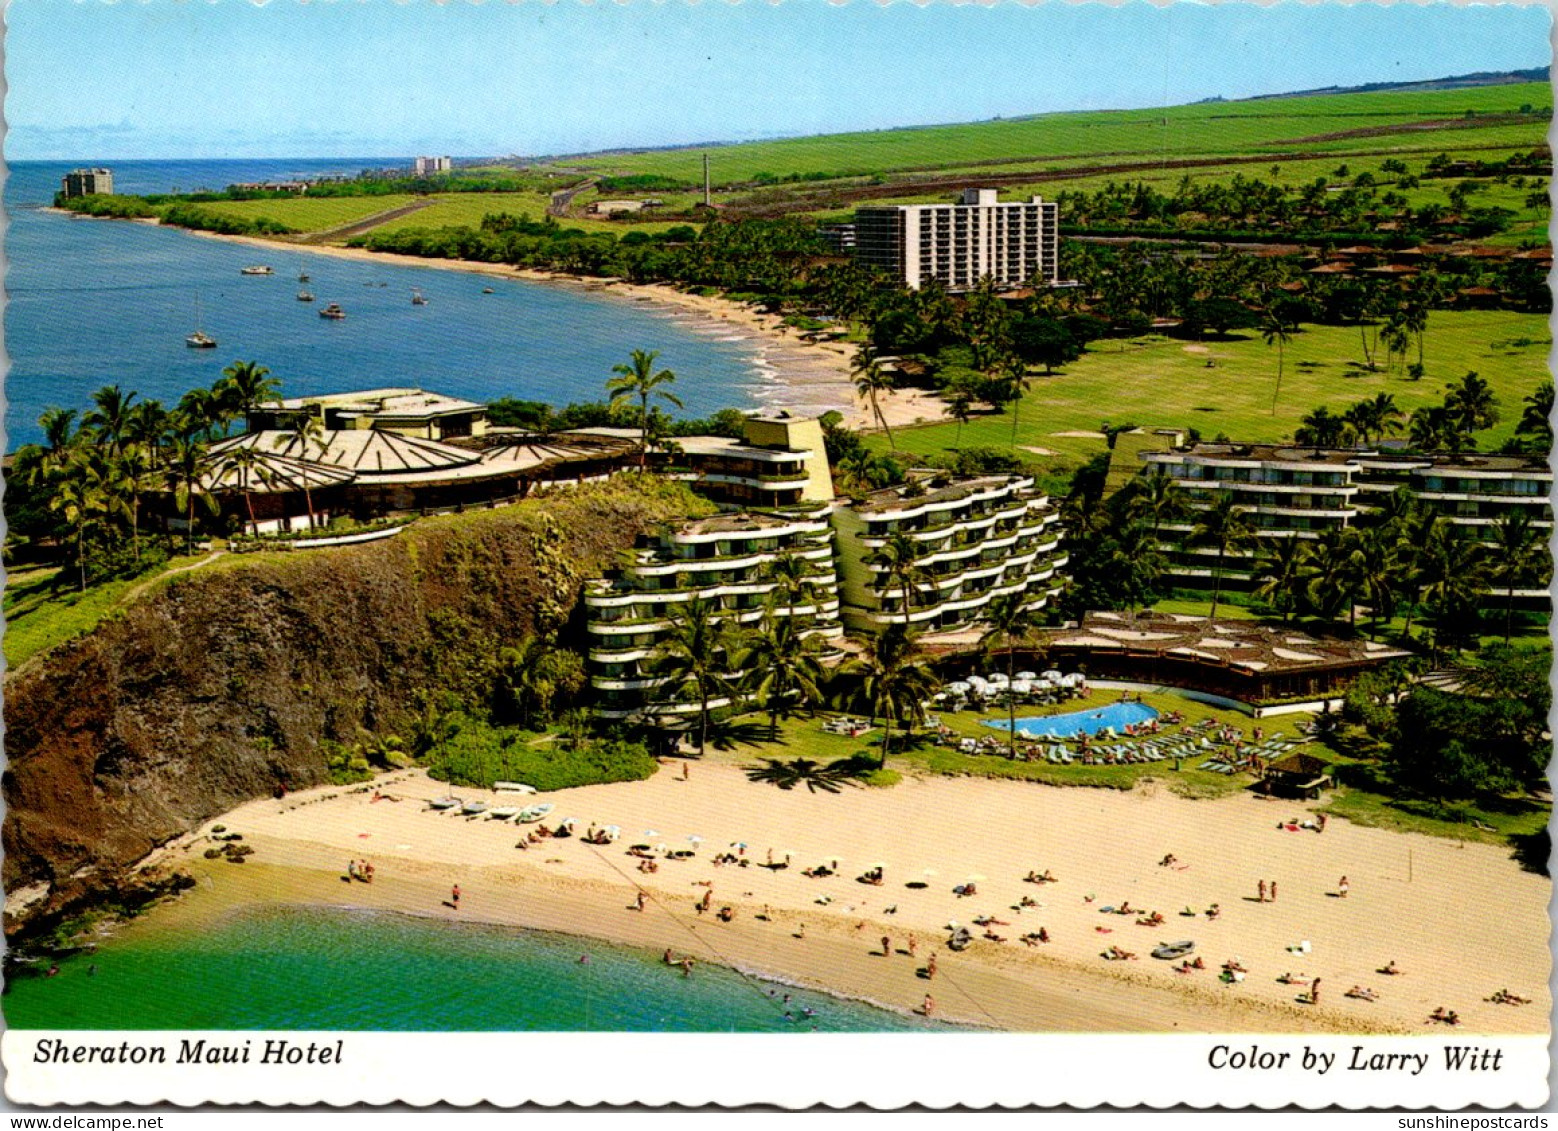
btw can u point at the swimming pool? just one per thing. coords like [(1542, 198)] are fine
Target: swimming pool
[(1093, 720)]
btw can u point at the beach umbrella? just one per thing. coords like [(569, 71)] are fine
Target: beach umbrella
[(930, 872), (568, 822), (741, 844), (789, 852), (999, 678), (1051, 676), (958, 685), (1022, 686), (876, 864), (695, 839), (1028, 675), (1073, 679)]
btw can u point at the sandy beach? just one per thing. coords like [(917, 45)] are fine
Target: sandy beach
[(1459, 920), (807, 378)]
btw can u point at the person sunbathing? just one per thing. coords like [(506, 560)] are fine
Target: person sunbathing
[(1289, 979), (1027, 901), (993, 937), (1233, 966), (1444, 1016), (1168, 861), (1362, 993), (1153, 920), (1389, 968), (1187, 967), (987, 920), (1213, 911)]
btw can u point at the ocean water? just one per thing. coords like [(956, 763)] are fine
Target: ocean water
[(340, 969), (97, 302)]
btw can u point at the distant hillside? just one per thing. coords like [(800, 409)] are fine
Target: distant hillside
[(1453, 82)]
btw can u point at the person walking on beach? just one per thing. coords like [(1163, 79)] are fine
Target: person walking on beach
[(454, 897), (930, 968), (887, 947), (1341, 888), (1273, 890), (928, 1007), (642, 899), (1262, 898), (1314, 992), (911, 946)]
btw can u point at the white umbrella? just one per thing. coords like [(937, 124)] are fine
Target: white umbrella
[(976, 876), (1028, 675), (930, 872), (695, 839), (653, 832), (569, 822), (1073, 679), (1051, 676), (999, 678), (958, 685), (1023, 686), (977, 680)]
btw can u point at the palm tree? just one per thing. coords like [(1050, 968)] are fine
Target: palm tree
[(1536, 419), (243, 388), (789, 572), (188, 464), (1223, 527), (638, 379), (1014, 373), (1275, 330), (56, 424), (1321, 428), (871, 381), (1451, 576), (1472, 404), (784, 670), (1158, 497), (1379, 571), (960, 406), (896, 558), (1281, 575), (111, 415), (246, 462), (695, 658), (893, 680), (519, 670), (306, 428), (199, 413), (1517, 548), (1008, 618), (86, 490), (1333, 573)]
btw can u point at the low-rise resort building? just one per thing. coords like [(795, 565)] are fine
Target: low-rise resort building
[(1303, 492)]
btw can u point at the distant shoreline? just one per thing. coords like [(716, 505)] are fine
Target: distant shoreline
[(807, 378)]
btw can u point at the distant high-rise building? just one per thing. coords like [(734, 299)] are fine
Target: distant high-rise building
[(426, 166), (959, 244), (89, 182)]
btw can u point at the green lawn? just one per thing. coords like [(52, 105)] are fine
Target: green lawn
[(37, 617), (465, 210), (1161, 382), (305, 214), (1224, 127)]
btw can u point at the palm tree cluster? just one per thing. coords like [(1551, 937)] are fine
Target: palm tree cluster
[(1469, 407), (85, 489), (1408, 560), (707, 657), (1372, 419)]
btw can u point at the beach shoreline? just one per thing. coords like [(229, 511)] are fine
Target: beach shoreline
[(803, 378), (304, 842)]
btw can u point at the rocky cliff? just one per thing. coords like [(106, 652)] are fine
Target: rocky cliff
[(219, 686)]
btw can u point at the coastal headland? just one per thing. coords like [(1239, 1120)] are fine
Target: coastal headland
[(929, 836)]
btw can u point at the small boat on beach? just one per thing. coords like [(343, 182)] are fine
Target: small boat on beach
[(534, 813), (443, 802), (259, 270), (1170, 951), (503, 813), (474, 808), (333, 311)]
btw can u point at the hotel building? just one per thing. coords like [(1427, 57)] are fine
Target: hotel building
[(88, 182), (959, 244), (977, 538), (1301, 492), (728, 561)]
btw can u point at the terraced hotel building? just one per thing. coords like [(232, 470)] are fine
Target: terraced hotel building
[(976, 538), (1300, 492), (730, 562)]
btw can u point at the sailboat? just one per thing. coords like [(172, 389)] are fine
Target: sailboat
[(305, 295), (416, 298), (199, 340)]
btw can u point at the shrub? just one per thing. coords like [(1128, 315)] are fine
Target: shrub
[(480, 754)]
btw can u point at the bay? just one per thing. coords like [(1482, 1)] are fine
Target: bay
[(100, 302), (363, 970)]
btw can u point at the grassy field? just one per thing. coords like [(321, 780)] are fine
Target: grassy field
[(467, 209), (37, 616), (1160, 382), (309, 215), (1274, 125)]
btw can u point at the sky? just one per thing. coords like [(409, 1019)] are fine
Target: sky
[(95, 81)]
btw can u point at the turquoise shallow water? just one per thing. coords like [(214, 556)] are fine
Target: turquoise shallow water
[(336, 969)]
